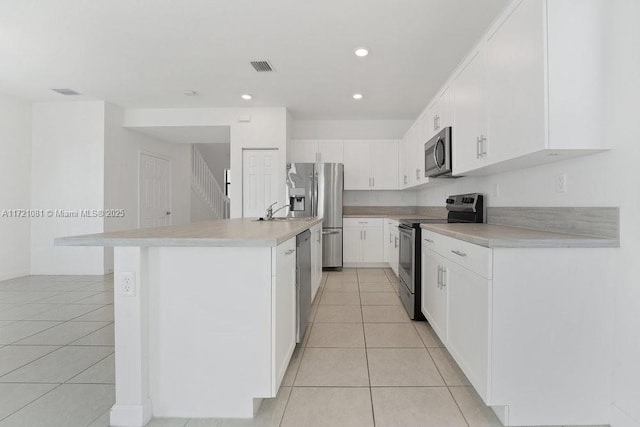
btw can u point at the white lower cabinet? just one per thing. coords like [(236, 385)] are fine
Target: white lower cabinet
[(392, 244), (521, 323), (363, 241), (434, 295), (284, 310), (316, 259)]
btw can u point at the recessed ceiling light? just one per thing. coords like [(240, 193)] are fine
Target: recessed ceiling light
[(247, 97), (357, 96), (361, 52)]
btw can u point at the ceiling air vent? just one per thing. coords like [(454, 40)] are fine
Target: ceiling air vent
[(262, 66), (66, 92)]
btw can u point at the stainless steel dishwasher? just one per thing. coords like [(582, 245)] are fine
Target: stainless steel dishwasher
[(303, 282)]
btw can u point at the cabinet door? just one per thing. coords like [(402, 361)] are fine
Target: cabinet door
[(357, 165), (331, 151), (402, 163), (445, 109), (372, 244), (352, 244), (395, 251), (434, 296), (316, 259), (468, 323), (284, 320), (411, 162), (418, 149), (469, 113), (304, 151), (384, 165), (515, 84)]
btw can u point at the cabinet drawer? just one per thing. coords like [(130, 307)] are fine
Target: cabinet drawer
[(474, 257), (429, 239), (363, 222)]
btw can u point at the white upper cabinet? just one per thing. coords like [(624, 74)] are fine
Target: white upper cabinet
[(304, 151), (371, 165), (535, 83), (516, 84), (312, 151), (330, 151), (384, 165), (357, 165), (469, 128), (439, 114)]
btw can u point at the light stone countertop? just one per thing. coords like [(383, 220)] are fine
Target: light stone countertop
[(496, 236), (241, 232)]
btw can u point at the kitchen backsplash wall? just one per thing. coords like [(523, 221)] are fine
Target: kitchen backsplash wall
[(380, 198)]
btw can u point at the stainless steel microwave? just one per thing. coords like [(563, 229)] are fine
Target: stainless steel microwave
[(437, 155)]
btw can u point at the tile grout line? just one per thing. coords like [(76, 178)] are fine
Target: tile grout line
[(458, 406), (366, 355)]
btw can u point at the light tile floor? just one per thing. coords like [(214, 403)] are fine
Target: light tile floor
[(362, 362)]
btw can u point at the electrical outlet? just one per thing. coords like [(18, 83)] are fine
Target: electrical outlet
[(127, 281), (561, 183)]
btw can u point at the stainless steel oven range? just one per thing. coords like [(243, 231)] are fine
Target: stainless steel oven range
[(461, 208)]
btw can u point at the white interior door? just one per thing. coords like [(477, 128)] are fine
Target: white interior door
[(260, 181), (155, 191)]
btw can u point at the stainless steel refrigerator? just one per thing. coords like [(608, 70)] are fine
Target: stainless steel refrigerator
[(315, 189)]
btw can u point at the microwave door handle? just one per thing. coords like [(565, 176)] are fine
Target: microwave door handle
[(435, 158)]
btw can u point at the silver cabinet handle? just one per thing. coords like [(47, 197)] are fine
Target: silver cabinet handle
[(363, 222), (417, 173), (390, 238), (373, 181), (396, 242), (290, 251), (324, 233), (443, 283), (478, 149), (438, 284), (428, 240), (483, 145), (459, 253)]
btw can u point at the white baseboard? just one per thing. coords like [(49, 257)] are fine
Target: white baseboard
[(365, 265), (622, 419), (130, 415)]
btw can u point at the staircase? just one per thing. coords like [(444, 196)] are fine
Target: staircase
[(205, 185)]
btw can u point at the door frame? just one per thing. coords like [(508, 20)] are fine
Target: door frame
[(169, 196)]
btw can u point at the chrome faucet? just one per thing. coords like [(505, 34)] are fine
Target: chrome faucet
[(270, 211)]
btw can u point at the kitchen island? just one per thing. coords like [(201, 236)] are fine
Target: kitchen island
[(205, 316)]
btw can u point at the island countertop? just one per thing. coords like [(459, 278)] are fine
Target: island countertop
[(241, 232), (497, 236)]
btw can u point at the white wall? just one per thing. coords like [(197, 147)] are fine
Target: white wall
[(266, 129), (607, 179), (15, 186), (67, 172), (121, 168), (349, 129)]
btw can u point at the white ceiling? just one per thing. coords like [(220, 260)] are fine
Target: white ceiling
[(145, 53)]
